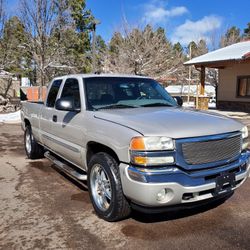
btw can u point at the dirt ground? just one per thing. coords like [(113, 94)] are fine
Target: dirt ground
[(41, 209)]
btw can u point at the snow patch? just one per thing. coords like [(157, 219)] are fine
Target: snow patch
[(11, 117)]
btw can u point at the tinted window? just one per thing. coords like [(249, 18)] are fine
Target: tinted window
[(136, 92), (71, 92), (53, 93)]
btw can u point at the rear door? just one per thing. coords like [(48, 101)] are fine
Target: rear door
[(68, 127)]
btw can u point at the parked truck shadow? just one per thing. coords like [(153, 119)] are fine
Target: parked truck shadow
[(81, 185), (179, 213), (168, 215)]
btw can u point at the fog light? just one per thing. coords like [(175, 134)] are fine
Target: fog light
[(161, 195)]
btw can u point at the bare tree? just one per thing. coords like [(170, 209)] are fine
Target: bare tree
[(42, 19), (142, 51)]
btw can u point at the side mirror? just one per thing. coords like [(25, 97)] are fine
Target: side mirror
[(66, 104), (179, 100)]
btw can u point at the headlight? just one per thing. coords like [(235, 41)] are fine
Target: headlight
[(151, 143), (244, 132), (149, 151)]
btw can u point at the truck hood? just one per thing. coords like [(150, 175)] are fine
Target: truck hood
[(171, 122)]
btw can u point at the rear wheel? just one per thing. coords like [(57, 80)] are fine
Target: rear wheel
[(105, 188), (32, 148)]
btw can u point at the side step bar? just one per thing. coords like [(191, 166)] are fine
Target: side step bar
[(70, 171)]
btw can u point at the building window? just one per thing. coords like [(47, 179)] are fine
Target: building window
[(243, 89)]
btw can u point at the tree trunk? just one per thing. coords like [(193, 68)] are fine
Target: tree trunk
[(9, 83)]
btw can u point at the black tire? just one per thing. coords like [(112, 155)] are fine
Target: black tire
[(119, 207), (35, 151)]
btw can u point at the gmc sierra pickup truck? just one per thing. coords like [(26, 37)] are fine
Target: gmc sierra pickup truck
[(134, 145)]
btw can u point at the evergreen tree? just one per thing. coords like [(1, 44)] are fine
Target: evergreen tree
[(59, 43), (101, 51), (232, 36), (83, 24), (14, 57), (202, 47), (178, 48), (246, 34), (115, 43), (83, 18), (198, 49)]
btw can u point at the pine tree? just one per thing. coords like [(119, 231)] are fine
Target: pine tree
[(83, 18), (198, 49), (59, 43), (178, 48), (13, 56), (246, 34), (232, 36)]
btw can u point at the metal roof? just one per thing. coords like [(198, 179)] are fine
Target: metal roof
[(238, 51)]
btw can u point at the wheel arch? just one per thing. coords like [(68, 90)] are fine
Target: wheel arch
[(96, 147), (26, 123)]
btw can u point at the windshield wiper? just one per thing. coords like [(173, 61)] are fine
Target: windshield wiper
[(157, 104), (117, 106)]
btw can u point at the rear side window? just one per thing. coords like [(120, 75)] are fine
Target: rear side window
[(53, 93), (71, 92)]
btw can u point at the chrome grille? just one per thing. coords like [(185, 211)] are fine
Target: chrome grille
[(203, 152)]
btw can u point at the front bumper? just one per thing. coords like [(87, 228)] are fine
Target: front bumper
[(142, 186)]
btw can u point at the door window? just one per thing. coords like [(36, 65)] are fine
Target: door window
[(71, 92), (53, 93)]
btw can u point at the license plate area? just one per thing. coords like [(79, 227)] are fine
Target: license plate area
[(224, 183)]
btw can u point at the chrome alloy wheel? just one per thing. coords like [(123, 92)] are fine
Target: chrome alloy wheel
[(100, 187), (28, 142)]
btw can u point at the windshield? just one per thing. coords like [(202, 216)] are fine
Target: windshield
[(119, 92)]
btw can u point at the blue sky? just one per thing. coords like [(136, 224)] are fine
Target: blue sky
[(184, 20)]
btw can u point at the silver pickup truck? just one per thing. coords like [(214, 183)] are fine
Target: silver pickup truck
[(134, 145)]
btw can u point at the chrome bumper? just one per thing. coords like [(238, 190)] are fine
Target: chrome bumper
[(142, 186)]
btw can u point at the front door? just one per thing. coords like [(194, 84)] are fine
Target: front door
[(68, 127)]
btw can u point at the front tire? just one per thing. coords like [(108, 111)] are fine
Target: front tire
[(105, 188), (32, 148)]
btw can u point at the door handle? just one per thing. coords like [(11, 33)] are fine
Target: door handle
[(54, 118)]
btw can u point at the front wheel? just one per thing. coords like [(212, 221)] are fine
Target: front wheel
[(32, 148), (105, 188)]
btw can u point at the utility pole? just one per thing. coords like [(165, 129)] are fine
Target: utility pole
[(189, 72), (95, 22)]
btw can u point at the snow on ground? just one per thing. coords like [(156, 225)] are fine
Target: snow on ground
[(212, 107), (184, 90), (191, 105), (11, 117), (233, 114)]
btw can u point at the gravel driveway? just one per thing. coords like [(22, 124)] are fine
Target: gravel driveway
[(42, 209)]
